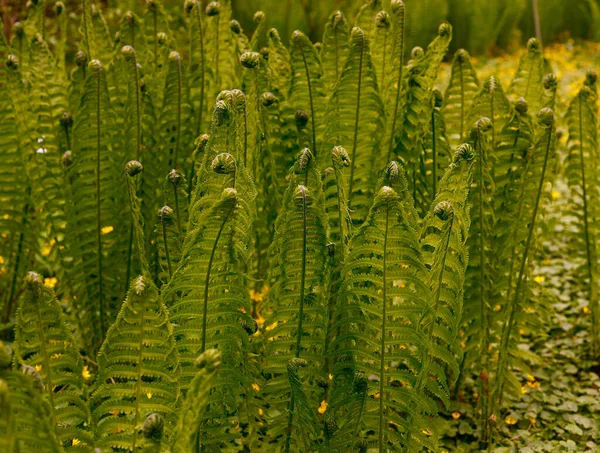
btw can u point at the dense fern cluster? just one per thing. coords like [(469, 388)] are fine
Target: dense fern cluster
[(260, 247)]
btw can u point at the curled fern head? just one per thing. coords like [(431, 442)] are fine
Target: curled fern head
[(128, 53), (209, 360), (174, 56), (250, 60), (546, 117), (521, 106), (175, 177), (229, 194), (221, 114), (397, 6), (385, 195), (461, 55), (213, 9), (81, 58), (299, 38), (590, 77), (301, 195), (417, 52), (4, 395), (34, 282), (189, 5), (153, 427), (295, 363), (165, 214), (274, 35), (67, 159), (337, 19), (59, 8), (340, 156), (133, 168), (19, 29), (464, 152), (235, 26), (238, 99), (550, 81), (304, 160), (37, 40), (223, 163), (162, 38), (66, 120), (36, 377), (445, 29), (382, 19), (533, 45), (392, 172), (330, 427), (483, 124), (443, 210), (95, 66), (12, 62), (357, 36), (268, 99), (259, 17), (301, 118)]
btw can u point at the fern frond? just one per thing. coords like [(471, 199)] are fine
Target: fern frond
[(334, 50), (220, 48), (307, 90), (386, 291), (24, 424), (583, 180), (354, 120), (297, 298), (186, 437), (44, 341), (458, 99), (138, 371), (155, 21), (95, 197), (528, 80), (536, 175)]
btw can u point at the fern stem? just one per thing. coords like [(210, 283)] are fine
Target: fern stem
[(434, 156), (179, 95), (398, 89), (207, 279), (313, 120), (462, 100), (138, 382), (356, 119), (382, 448), (202, 68), (508, 326), (98, 207), (586, 229), (166, 245)]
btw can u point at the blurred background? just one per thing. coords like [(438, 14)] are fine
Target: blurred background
[(484, 27)]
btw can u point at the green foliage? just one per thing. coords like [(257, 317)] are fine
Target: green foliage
[(332, 254)]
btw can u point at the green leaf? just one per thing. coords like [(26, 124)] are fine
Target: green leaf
[(138, 371)]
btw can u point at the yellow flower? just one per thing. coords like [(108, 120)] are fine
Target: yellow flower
[(1, 260), (426, 432), (107, 229), (86, 373), (46, 250), (76, 441), (455, 415), (38, 368), (587, 310), (376, 395), (530, 377), (523, 390), (330, 377), (256, 387), (323, 407), (532, 421), (261, 413), (510, 420), (539, 279), (50, 282), (555, 195), (497, 307), (149, 395)]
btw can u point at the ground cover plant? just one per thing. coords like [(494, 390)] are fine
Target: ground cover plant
[(214, 241)]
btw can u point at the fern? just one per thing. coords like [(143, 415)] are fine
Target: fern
[(528, 80), (386, 293), (186, 436), (582, 177), (297, 324), (307, 92), (458, 99), (335, 48), (138, 371), (43, 341), (24, 426), (354, 118)]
